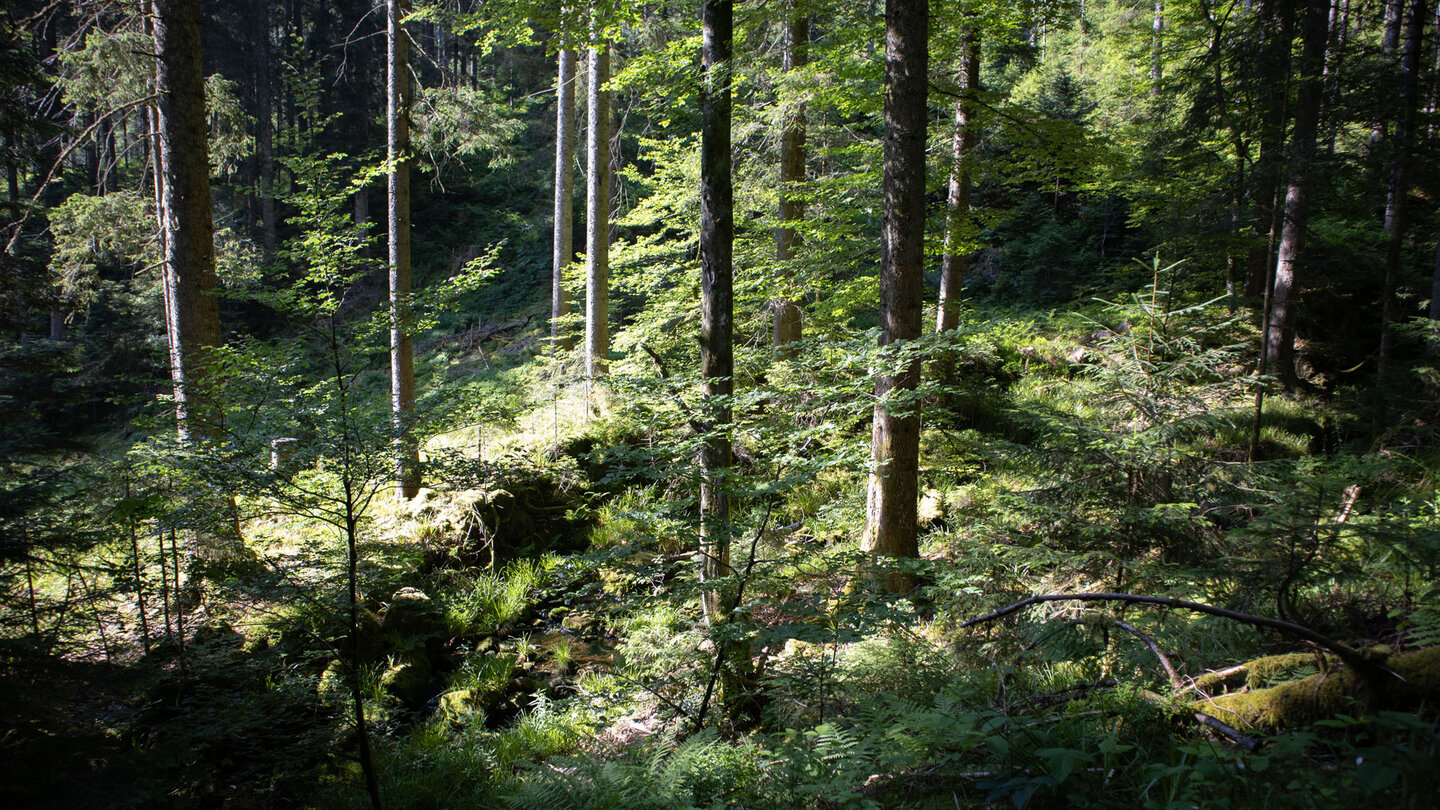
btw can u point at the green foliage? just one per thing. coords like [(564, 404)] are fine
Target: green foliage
[(483, 603)]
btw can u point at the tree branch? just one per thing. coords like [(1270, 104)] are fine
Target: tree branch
[(1346, 653)]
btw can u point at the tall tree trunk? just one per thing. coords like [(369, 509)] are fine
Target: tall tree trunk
[(265, 135), (1434, 312), (895, 446), (788, 317), (563, 252), (1334, 60), (402, 346), (957, 207), (597, 215), (1276, 19), (193, 314), (1389, 43), (1407, 103), (717, 234), (1292, 235), (1157, 36)]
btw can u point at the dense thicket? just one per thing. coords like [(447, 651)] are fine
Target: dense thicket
[(1179, 257)]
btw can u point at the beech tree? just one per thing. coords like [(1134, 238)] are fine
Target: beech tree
[(895, 444), (402, 348)]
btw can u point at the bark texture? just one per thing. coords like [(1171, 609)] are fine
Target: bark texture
[(717, 364), (957, 208), (564, 245), (1407, 102), (1276, 21), (788, 319), (597, 216), (402, 347), (1281, 331), (192, 314), (895, 445)]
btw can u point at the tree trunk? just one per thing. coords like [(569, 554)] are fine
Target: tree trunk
[(402, 347), (1435, 287), (895, 448), (564, 245), (1389, 42), (1395, 209), (597, 216), (1157, 34), (717, 234), (192, 312), (1292, 235), (788, 319), (1277, 21), (957, 208), (265, 136)]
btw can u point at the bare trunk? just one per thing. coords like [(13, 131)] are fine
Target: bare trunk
[(957, 208), (1278, 20), (717, 233), (1334, 60), (1395, 210), (265, 136), (1435, 287), (1389, 43), (890, 528), (563, 252), (1292, 235), (1157, 34), (788, 317), (193, 313), (139, 572), (402, 346), (597, 216)]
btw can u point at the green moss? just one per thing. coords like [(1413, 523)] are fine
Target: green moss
[(1254, 674), (1302, 702)]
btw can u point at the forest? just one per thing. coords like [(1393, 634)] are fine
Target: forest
[(700, 404)]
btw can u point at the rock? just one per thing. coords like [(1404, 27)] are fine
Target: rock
[(217, 631), (583, 623), (457, 705), (412, 613), (409, 681)]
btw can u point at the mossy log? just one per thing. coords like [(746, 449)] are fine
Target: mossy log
[(1327, 694), (1254, 674)]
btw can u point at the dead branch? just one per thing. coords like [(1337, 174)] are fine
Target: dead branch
[(1175, 680), (1346, 653), (1242, 739)]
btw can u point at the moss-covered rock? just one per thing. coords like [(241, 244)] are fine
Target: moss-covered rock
[(457, 705), (410, 680), (412, 613), (216, 632), (1326, 694)]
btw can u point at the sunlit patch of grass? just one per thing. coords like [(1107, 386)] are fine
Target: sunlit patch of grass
[(480, 603)]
